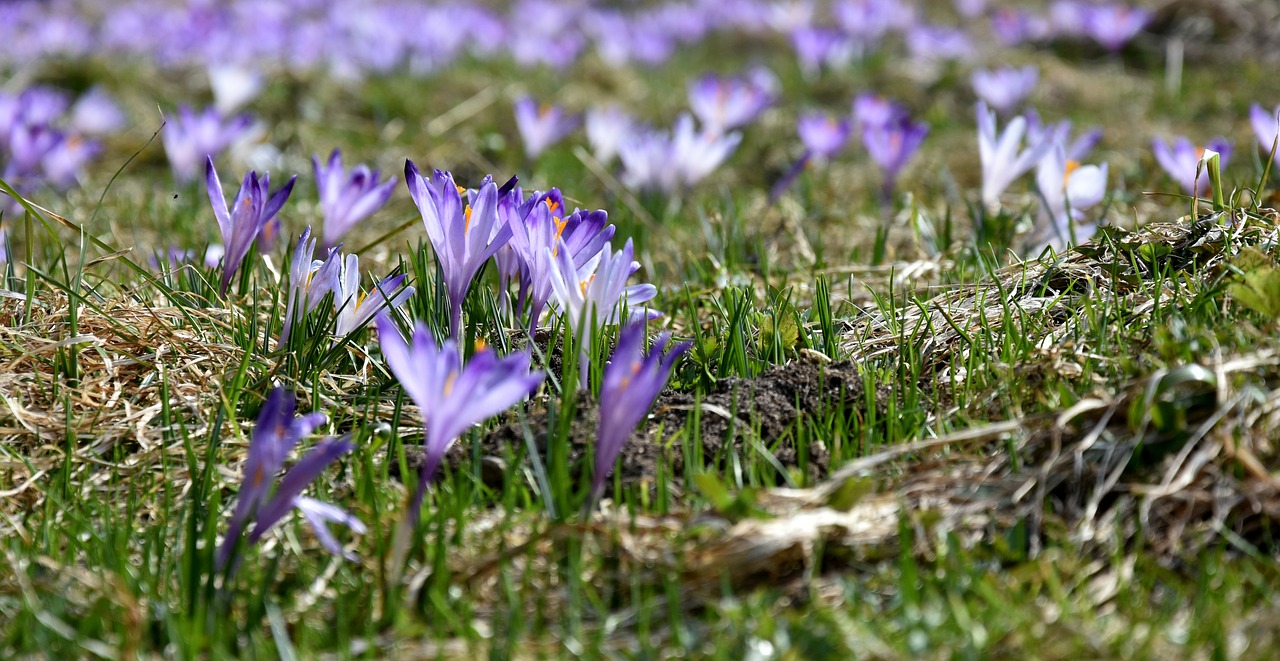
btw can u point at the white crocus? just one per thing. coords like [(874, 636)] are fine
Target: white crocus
[(1069, 188), (1003, 158)]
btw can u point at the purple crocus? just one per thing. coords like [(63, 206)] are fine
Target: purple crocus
[(463, 234), (818, 48), (451, 397), (1114, 25), (632, 381), (592, 297), (889, 135), (252, 210), (1013, 26), (309, 281), (96, 113), (1004, 88), (1266, 124), (542, 126), (540, 223), (823, 135), (1003, 157), (722, 104), (1060, 133), (189, 137), (1182, 161), (346, 199), (938, 42), (275, 435)]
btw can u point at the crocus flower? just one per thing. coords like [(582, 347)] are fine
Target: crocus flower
[(1060, 132), (592, 298), (346, 199), (1265, 125), (607, 127), (722, 104), (540, 223), (892, 144), (309, 281), (252, 209), (1003, 157), (938, 42), (464, 235), (660, 161), (1067, 189), (275, 435), (543, 125), (632, 381), (1114, 25), (452, 397), (233, 86), (1182, 161), (356, 309), (823, 135), (1006, 87), (1069, 18), (869, 20), (189, 137), (96, 113)]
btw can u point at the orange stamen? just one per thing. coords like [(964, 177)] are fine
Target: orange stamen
[(467, 227)]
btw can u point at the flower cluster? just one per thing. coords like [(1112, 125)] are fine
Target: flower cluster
[(46, 139)]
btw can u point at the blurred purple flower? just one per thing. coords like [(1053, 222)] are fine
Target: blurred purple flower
[(542, 126), (1003, 158), (1014, 26), (818, 48), (891, 144), (869, 20), (1067, 188), (1114, 25), (1060, 132), (96, 113), (607, 127), (970, 8), (1265, 125), (590, 298), (1006, 87), (189, 137), (632, 381), (697, 154), (464, 235), (1069, 18), (656, 160), (452, 398), (233, 85), (274, 436), (938, 42), (722, 104), (346, 199), (66, 158), (1182, 160), (252, 210), (822, 134)]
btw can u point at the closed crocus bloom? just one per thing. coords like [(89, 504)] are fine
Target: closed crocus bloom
[(1003, 157), (1182, 162), (822, 134), (892, 144), (355, 309), (632, 381), (240, 225), (347, 199), (191, 137), (1114, 25)]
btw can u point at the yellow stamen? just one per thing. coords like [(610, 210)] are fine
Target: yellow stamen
[(467, 227), (448, 383), (586, 283), (461, 190), (480, 344), (552, 204), (1072, 166)]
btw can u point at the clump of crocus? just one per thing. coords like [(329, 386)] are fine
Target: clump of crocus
[(355, 309), (1265, 125), (1114, 25), (656, 160), (275, 435), (309, 281), (1182, 162), (253, 208), (346, 199), (821, 48), (542, 125), (1067, 188), (1003, 157), (1006, 87), (722, 104), (938, 43), (189, 137), (632, 381), (1013, 26), (464, 233), (452, 397), (539, 223), (592, 297)]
